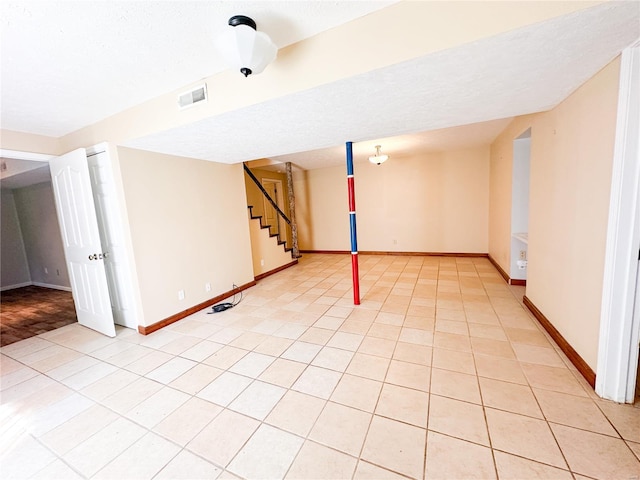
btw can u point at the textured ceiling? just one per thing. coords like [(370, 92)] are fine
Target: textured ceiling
[(66, 64), (70, 63), (523, 71), (465, 136)]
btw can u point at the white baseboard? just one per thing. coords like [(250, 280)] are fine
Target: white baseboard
[(36, 284), (49, 285), (17, 285)]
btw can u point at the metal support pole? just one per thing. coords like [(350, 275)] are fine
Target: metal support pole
[(352, 220)]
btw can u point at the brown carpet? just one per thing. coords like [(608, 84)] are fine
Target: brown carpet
[(29, 311)]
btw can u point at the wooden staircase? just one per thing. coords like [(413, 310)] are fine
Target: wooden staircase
[(277, 235)]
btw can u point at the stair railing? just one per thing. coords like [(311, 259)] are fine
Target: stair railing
[(277, 209)]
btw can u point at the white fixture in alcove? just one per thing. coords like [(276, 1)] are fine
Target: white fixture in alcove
[(520, 206)]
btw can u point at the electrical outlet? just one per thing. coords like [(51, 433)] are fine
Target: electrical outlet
[(57, 272), (46, 270), (262, 262), (395, 242), (180, 294), (523, 254), (207, 287)]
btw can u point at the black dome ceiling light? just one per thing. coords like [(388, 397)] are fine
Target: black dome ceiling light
[(245, 48)]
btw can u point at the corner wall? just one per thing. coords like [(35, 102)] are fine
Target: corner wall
[(571, 162), (188, 225), (572, 158)]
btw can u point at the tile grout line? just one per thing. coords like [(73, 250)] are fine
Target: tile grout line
[(537, 401), (484, 408), (433, 330)]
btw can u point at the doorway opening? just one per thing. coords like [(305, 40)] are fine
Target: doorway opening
[(36, 294)]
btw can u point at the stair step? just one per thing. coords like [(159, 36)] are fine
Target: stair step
[(271, 235)]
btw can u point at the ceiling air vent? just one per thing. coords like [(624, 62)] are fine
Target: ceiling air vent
[(192, 97)]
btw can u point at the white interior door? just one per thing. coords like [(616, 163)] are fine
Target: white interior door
[(112, 237), (81, 241)]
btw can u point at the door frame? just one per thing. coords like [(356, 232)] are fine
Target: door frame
[(19, 155), (619, 326)]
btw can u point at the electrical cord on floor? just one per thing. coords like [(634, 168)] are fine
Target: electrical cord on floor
[(221, 307)]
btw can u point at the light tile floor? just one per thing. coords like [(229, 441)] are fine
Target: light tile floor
[(439, 373)]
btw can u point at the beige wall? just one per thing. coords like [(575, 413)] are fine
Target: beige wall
[(26, 142), (188, 225), (41, 233), (267, 253), (571, 161), (572, 156), (303, 213), (436, 202), (322, 212)]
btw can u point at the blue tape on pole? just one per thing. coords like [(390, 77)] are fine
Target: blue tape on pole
[(349, 158), (354, 236)]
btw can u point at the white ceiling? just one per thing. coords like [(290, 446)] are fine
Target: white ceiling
[(431, 141), (523, 71), (70, 63), (142, 52)]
